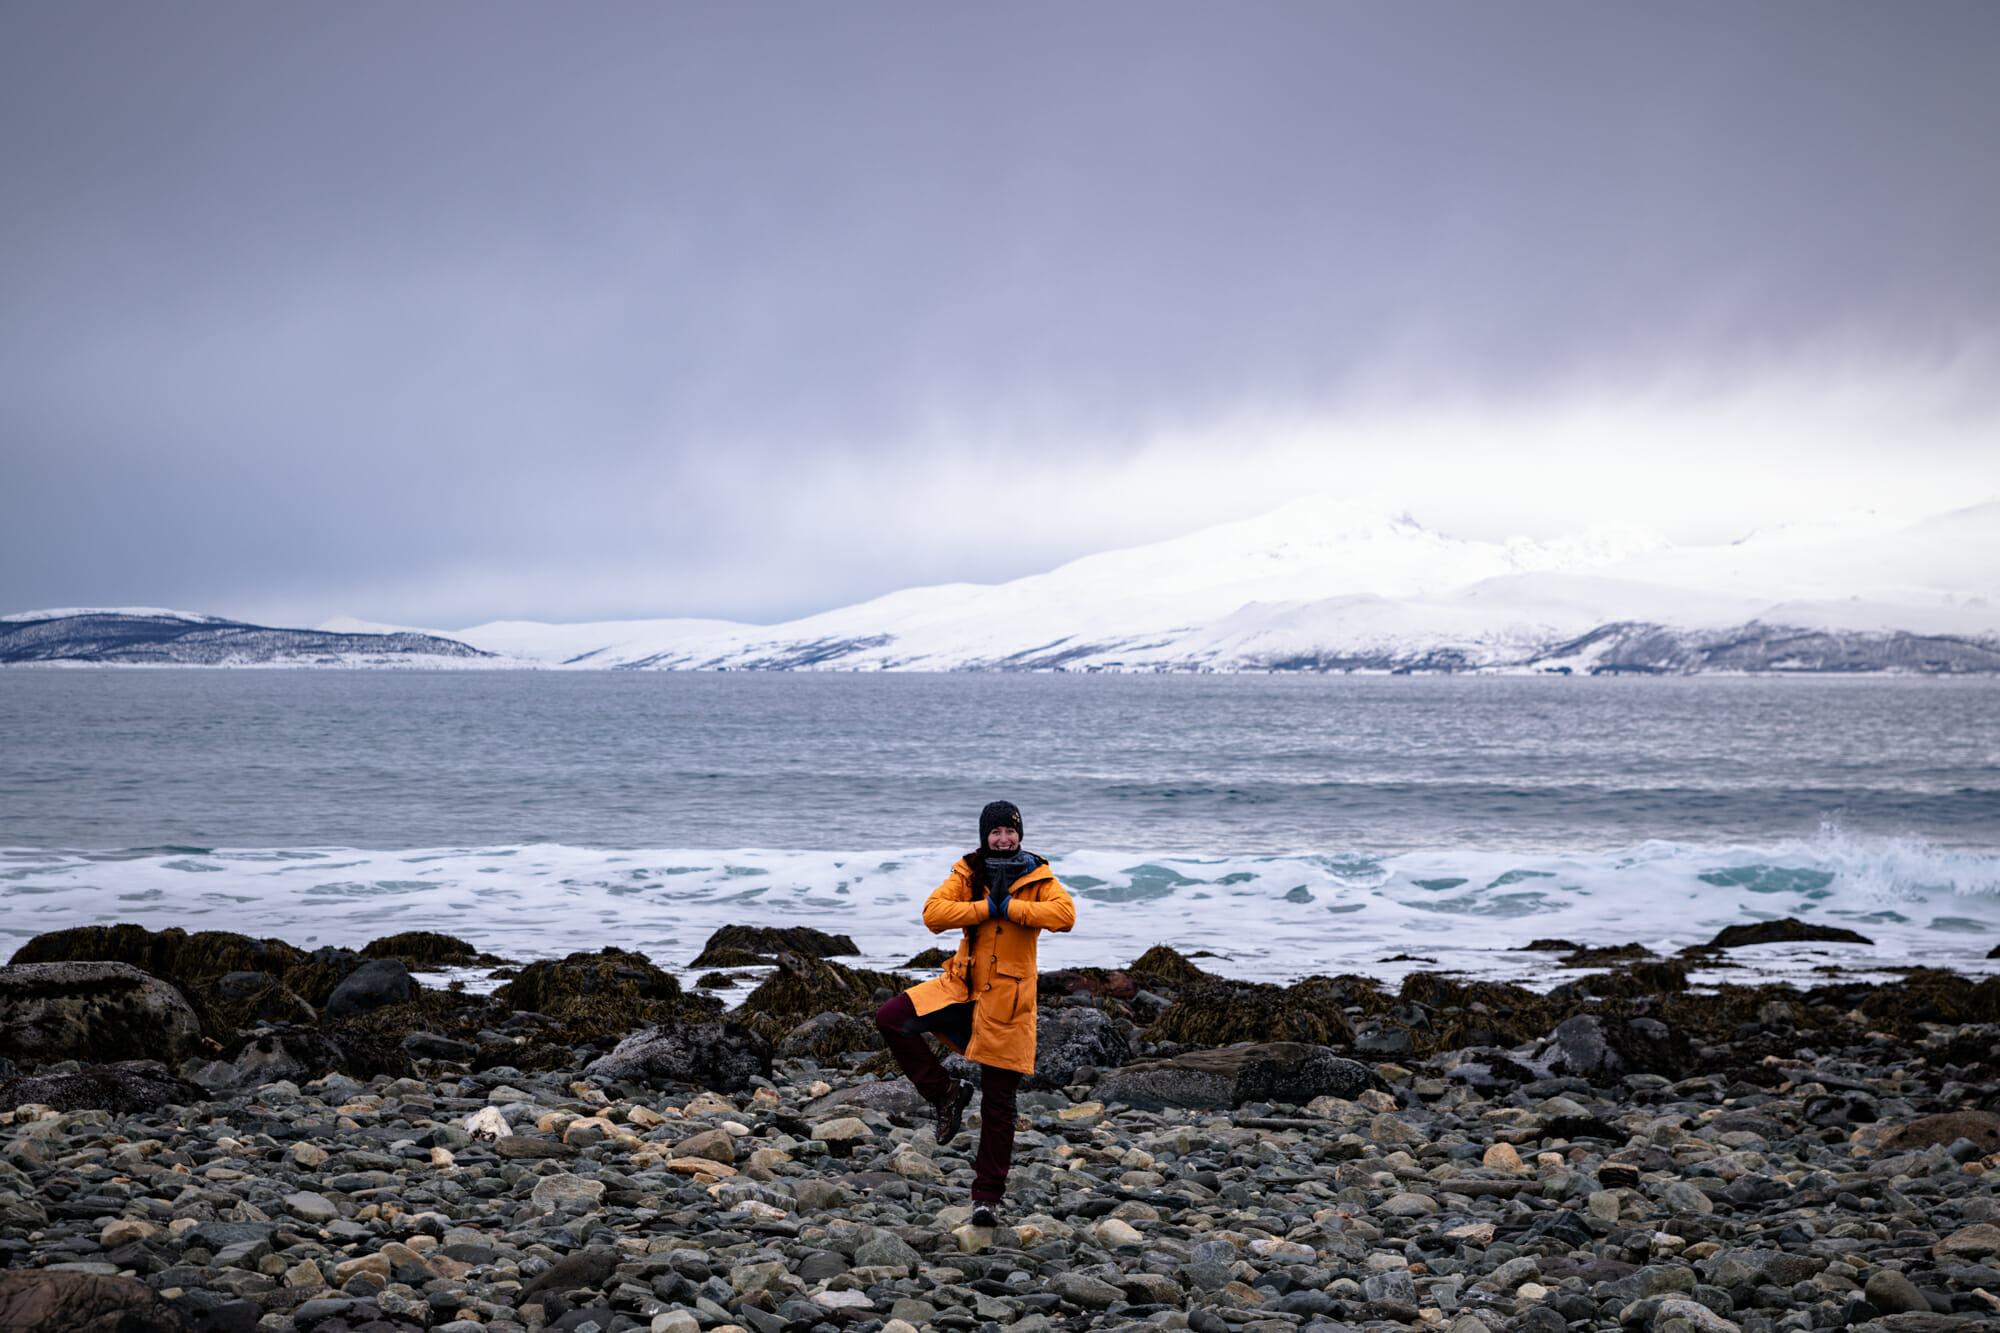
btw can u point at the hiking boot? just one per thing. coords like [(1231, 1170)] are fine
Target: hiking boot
[(951, 1112), (985, 1214)]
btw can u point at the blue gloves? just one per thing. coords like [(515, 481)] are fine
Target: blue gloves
[(996, 903)]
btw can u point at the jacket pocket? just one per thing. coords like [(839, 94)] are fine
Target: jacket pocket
[(1019, 991)]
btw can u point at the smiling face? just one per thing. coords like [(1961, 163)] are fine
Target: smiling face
[(1003, 839)]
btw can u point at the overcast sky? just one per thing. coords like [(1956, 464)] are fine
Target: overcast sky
[(449, 312)]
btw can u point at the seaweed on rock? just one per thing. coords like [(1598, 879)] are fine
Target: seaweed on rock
[(1932, 995), (172, 952), (1219, 1013), (599, 996), (423, 948), (234, 1001), (1163, 964), (804, 986), (765, 941)]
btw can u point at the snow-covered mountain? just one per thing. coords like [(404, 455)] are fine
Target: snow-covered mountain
[(1324, 585), (1327, 586)]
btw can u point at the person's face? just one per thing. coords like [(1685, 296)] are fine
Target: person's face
[(1003, 839)]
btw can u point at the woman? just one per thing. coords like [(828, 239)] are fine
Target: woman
[(1003, 898)]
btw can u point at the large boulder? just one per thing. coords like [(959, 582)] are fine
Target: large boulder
[(95, 1012), (1604, 1048), (1069, 1038), (721, 1056), (170, 952), (897, 1096), (1232, 1075), (423, 948), (554, 985), (68, 1302), (136, 1087), (1946, 1127), (375, 983), (234, 1001), (805, 985), (730, 943), (1785, 929), (827, 1036), (256, 1058), (1219, 1013)]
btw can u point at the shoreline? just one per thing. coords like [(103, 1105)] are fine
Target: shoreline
[(1798, 1164)]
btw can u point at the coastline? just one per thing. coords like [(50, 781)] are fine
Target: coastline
[(1622, 1151)]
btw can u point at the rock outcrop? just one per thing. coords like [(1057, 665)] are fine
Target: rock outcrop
[(95, 1012)]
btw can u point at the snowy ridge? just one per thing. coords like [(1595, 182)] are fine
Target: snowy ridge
[(1317, 585), (1322, 585)]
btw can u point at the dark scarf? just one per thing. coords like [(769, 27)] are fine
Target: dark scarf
[(1003, 871)]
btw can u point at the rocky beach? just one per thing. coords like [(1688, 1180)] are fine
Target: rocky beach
[(212, 1132)]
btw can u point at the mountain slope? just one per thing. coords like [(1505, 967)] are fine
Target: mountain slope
[(1323, 585), (1318, 585)]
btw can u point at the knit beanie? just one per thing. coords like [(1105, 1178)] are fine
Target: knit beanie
[(998, 814)]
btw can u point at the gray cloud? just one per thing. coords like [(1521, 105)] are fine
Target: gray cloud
[(583, 310)]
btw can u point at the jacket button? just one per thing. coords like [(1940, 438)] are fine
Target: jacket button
[(987, 986), (994, 959)]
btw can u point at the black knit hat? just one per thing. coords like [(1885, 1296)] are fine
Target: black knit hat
[(998, 814)]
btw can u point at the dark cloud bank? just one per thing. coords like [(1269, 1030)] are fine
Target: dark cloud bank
[(447, 312)]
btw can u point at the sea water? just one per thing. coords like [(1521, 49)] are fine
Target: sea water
[(1284, 825)]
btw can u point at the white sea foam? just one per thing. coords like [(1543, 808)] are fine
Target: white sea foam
[(1271, 918)]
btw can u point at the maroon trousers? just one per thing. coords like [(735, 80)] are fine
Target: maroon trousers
[(902, 1028)]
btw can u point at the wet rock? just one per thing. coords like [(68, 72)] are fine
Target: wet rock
[(1967, 1244), (1595, 1047), (825, 1036), (1217, 1012), (1679, 1315), (1981, 1127), (237, 1000), (1783, 930), (714, 1144), (532, 1148), (721, 1056), (96, 1012), (885, 1248), (436, 1046), (423, 948), (769, 941), (132, 1088), (566, 1191), (172, 952), (598, 995), (1091, 1293), (266, 1056), (587, 1268), (1892, 1293), (1068, 1039), (376, 983), (896, 1097), (69, 1302), (804, 985), (1233, 1075)]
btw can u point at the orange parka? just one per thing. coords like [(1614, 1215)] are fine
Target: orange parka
[(995, 965)]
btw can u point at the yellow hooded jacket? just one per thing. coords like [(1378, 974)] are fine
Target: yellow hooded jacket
[(995, 965)]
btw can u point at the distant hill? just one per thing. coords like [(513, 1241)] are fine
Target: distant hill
[(177, 638)]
